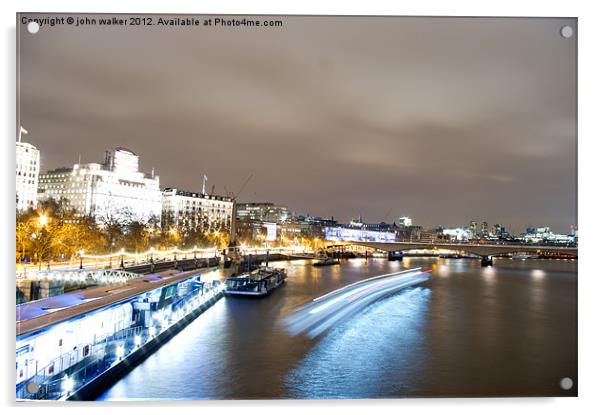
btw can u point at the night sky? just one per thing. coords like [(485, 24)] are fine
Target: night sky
[(445, 120)]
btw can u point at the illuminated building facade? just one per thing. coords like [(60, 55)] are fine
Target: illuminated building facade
[(405, 221), (114, 191), (180, 208), (357, 235), (262, 211), (28, 169)]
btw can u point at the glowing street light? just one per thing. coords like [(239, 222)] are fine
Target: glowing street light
[(43, 220)]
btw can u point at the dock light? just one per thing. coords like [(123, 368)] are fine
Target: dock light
[(137, 340), (68, 384), (119, 352)]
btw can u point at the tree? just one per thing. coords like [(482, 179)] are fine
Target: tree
[(137, 238)]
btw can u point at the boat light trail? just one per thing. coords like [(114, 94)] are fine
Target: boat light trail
[(325, 311)]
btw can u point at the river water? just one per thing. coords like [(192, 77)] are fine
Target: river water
[(506, 330)]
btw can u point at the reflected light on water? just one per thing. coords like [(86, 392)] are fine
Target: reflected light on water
[(356, 358), (442, 270), (538, 274), (489, 274)]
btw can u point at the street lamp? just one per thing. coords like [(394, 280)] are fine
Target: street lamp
[(122, 265), (81, 259)]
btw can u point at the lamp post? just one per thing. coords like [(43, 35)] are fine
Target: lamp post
[(43, 221), (122, 264), (81, 259)]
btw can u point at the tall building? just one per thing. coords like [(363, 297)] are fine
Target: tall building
[(112, 191), (194, 210), (473, 229), (262, 211), (484, 229), (28, 169)]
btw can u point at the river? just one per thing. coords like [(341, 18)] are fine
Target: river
[(505, 330)]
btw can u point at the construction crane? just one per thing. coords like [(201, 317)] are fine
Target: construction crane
[(234, 196)]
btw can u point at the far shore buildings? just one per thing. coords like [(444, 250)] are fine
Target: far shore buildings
[(114, 190), (28, 169)]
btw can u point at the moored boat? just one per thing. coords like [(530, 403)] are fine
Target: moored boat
[(325, 260), (259, 282)]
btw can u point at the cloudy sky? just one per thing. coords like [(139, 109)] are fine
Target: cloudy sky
[(445, 120)]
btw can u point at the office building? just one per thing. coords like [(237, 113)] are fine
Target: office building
[(28, 169), (262, 212), (114, 191), (195, 210)]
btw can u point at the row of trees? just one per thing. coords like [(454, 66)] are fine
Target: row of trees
[(53, 231)]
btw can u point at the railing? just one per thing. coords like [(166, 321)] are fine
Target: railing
[(101, 276)]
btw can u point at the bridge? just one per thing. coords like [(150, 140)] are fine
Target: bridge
[(485, 251)]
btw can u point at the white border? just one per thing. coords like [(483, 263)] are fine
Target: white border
[(589, 151)]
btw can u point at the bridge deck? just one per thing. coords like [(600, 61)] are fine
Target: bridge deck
[(478, 249)]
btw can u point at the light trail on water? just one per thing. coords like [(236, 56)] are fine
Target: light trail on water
[(327, 310)]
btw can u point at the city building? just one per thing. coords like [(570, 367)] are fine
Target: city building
[(377, 227), (262, 211), (180, 208), (114, 191), (543, 234), (316, 220), (341, 233), (473, 229), (409, 233), (405, 221), (456, 234), (28, 169), (310, 226), (574, 233), (484, 229)]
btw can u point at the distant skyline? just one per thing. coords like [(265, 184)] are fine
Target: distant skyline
[(444, 120)]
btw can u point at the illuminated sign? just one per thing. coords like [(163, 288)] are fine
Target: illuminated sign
[(357, 235)]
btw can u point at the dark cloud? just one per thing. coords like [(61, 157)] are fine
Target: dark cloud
[(442, 119)]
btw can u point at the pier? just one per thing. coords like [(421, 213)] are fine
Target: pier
[(70, 345)]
